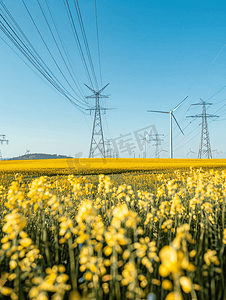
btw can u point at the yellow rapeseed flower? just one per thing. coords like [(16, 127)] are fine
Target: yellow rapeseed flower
[(174, 296), (224, 237), (167, 284), (62, 278), (6, 291), (4, 239), (33, 293), (42, 296), (12, 264), (26, 242), (11, 277), (61, 268), (6, 246), (186, 284), (107, 250), (88, 276), (210, 256)]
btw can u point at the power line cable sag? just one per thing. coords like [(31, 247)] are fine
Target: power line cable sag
[(199, 80), (78, 11), (64, 49), (32, 61), (23, 39), (98, 42), (83, 99), (50, 53), (75, 33), (31, 54), (60, 52)]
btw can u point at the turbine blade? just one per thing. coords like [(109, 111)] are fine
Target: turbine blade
[(90, 88), (159, 111), (177, 124), (180, 103)]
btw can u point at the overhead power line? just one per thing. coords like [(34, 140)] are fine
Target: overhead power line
[(85, 41), (73, 75), (22, 43), (59, 81), (77, 40), (46, 46), (98, 42), (60, 52)]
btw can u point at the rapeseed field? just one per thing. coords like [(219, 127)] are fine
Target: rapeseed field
[(103, 165), (157, 234)]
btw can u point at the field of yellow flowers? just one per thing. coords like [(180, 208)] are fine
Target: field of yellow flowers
[(152, 235), (103, 165)]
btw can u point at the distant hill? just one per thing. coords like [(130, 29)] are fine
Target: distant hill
[(38, 156)]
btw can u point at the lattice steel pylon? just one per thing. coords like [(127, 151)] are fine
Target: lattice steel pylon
[(204, 148), (3, 140), (108, 149), (97, 139), (156, 138)]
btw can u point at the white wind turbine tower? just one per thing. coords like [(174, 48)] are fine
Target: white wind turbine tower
[(145, 141), (190, 152), (171, 116)]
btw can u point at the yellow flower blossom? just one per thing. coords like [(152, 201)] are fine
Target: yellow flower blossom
[(186, 284), (12, 264)]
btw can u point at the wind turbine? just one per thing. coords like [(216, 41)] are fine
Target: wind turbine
[(162, 150), (171, 118), (145, 141), (190, 152)]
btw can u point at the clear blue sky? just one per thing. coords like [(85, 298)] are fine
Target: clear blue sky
[(153, 54)]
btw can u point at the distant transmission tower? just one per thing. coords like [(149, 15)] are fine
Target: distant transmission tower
[(27, 152), (156, 138), (3, 140), (218, 153), (204, 148), (109, 149), (97, 141)]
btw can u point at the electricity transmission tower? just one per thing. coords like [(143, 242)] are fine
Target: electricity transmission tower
[(27, 152), (218, 152), (204, 148), (156, 138), (97, 140), (3, 140), (109, 149)]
